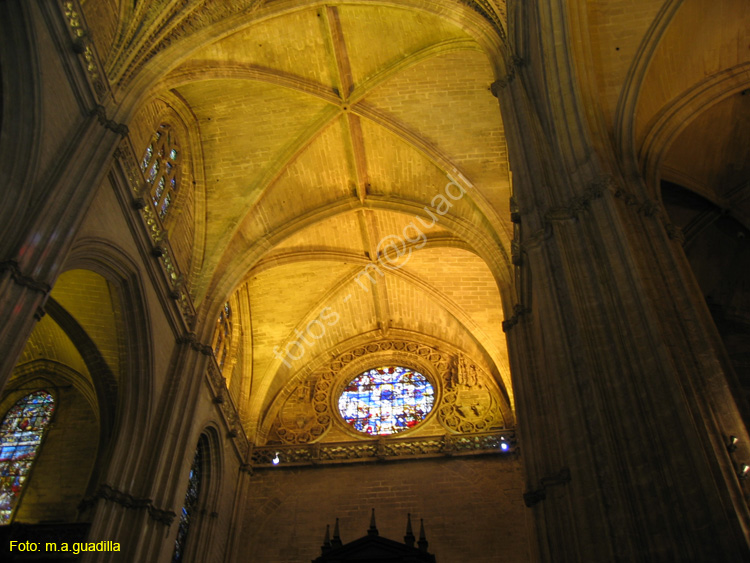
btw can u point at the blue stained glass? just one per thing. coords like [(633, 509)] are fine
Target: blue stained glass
[(147, 157), (159, 190), (154, 170), (191, 502), (386, 400), (165, 206), (159, 166), (20, 436)]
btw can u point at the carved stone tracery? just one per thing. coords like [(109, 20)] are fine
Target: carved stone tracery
[(468, 405), (465, 401)]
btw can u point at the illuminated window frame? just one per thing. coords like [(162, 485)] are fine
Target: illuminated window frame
[(386, 400), (21, 434), (160, 165)]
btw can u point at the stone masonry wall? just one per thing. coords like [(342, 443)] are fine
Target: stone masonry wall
[(472, 508)]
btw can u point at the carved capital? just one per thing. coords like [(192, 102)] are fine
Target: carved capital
[(101, 115), (165, 517), (518, 311), (650, 208), (126, 500), (578, 204), (11, 266), (674, 232), (513, 65), (540, 493), (187, 338), (646, 207)]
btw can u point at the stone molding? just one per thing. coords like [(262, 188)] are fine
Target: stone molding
[(11, 266), (188, 17), (464, 400), (109, 493), (575, 207), (161, 247), (84, 47), (227, 409), (385, 449), (493, 11), (580, 203)]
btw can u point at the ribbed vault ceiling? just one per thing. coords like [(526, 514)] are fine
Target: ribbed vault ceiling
[(323, 129), (326, 135)]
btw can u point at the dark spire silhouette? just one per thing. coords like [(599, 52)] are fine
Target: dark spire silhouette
[(336, 541), (422, 543), (326, 540), (373, 529), (409, 537)]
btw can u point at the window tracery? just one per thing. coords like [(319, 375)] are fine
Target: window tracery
[(189, 507), (21, 433), (160, 167), (386, 400)]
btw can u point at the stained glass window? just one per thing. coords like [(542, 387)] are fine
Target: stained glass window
[(190, 505), (223, 335), (159, 166), (386, 400), (20, 435)]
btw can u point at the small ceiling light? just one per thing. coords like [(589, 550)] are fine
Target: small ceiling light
[(276, 459), (744, 471), (732, 443), (504, 445)]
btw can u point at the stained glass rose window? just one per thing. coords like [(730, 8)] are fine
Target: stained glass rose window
[(386, 400)]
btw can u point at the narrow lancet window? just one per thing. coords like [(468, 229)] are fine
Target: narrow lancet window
[(189, 507)]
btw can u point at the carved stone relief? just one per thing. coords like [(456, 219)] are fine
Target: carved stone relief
[(465, 401), (468, 405)]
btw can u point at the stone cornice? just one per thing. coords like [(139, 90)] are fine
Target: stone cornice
[(226, 408), (84, 47), (574, 207), (385, 449)]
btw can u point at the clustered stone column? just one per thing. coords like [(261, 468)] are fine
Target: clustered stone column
[(621, 388)]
